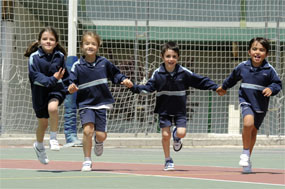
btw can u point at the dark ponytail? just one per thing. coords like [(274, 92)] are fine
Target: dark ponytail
[(32, 48)]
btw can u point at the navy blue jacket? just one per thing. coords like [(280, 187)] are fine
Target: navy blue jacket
[(42, 66), (253, 81), (171, 93), (92, 81)]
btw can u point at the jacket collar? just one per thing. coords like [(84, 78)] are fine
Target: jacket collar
[(177, 69), (42, 52), (83, 61), (265, 64)]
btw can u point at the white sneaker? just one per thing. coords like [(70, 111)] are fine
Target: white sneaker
[(76, 143), (169, 165), (87, 166), (247, 170), (98, 148), (244, 160), (177, 144), (53, 145), (41, 154)]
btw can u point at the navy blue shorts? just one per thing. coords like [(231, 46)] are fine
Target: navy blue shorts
[(258, 117), (97, 117), (166, 121), (43, 113)]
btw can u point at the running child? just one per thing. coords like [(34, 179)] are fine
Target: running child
[(259, 81), (89, 77), (49, 82), (170, 81)]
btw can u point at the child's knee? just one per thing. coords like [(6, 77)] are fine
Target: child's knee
[(101, 136), (248, 124), (248, 121), (181, 132), (181, 135), (88, 130), (52, 109), (166, 135)]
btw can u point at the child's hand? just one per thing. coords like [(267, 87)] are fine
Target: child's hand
[(221, 91), (72, 88), (58, 75), (267, 92), (128, 83)]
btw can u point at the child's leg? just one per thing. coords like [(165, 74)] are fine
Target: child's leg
[(253, 139), (258, 119), (100, 130), (251, 123), (179, 132), (247, 132), (248, 126), (88, 132), (42, 126), (99, 138), (166, 136), (39, 145), (53, 113)]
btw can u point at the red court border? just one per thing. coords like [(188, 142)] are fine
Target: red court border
[(259, 176)]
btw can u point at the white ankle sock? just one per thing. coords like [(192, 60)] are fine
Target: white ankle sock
[(168, 158), (40, 145), (87, 158), (53, 135), (246, 151)]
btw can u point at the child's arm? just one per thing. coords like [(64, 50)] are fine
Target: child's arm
[(149, 87), (267, 92), (274, 87), (72, 88), (73, 80), (59, 74), (114, 73), (65, 78), (201, 82), (39, 78), (128, 83), (221, 91), (232, 79)]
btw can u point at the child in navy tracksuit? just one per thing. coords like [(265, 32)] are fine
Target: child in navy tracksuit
[(259, 81), (170, 81), (49, 82), (89, 77)]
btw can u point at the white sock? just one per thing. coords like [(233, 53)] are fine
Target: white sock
[(40, 145), (53, 135), (246, 151), (168, 158), (87, 158)]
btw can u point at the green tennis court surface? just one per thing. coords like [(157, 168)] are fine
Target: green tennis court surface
[(142, 168)]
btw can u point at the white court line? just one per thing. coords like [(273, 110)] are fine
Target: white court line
[(161, 176)]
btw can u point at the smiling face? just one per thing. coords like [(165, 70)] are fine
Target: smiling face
[(48, 42), (170, 59), (90, 47), (257, 53)]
